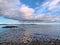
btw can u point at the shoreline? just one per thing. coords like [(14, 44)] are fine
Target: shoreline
[(34, 41)]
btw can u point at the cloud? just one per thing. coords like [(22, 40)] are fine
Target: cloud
[(14, 9), (47, 18), (10, 23), (50, 8), (26, 11), (53, 4), (50, 5)]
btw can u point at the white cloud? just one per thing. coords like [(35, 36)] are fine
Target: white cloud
[(45, 4), (48, 8), (10, 23), (47, 18), (53, 4), (16, 10), (26, 11)]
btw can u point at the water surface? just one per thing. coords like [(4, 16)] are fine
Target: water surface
[(27, 31)]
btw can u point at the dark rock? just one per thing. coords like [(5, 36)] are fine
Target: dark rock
[(10, 27)]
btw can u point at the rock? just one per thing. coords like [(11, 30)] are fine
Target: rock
[(9, 27)]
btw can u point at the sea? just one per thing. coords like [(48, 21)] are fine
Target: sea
[(28, 31)]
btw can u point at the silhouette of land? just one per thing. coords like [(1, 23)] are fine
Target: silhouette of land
[(9, 27)]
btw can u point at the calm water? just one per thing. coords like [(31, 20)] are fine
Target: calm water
[(30, 30)]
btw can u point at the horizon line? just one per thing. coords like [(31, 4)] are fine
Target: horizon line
[(32, 23)]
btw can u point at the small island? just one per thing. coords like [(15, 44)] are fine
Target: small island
[(10, 27)]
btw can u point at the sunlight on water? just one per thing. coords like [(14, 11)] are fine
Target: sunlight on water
[(26, 32)]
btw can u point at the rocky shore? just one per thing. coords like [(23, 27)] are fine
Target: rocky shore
[(34, 42), (29, 40)]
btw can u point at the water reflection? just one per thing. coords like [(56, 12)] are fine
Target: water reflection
[(26, 33)]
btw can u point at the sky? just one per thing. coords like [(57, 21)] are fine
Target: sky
[(37, 10), (4, 20)]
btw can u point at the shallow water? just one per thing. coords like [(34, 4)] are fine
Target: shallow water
[(24, 32)]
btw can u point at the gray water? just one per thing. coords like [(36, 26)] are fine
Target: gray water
[(28, 31)]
